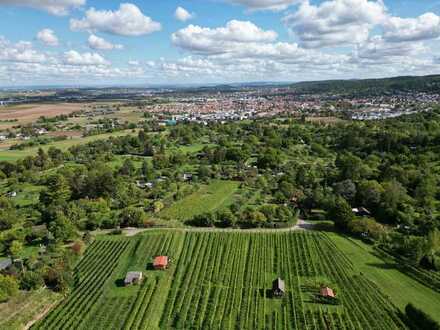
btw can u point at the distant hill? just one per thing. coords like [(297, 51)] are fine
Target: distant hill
[(429, 84)]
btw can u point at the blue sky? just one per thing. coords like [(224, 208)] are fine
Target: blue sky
[(85, 42)]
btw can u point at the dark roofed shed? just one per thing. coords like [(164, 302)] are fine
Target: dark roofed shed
[(278, 287)]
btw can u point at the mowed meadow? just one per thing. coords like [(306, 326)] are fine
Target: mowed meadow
[(223, 280)]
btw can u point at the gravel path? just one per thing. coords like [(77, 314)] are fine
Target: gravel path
[(301, 225)]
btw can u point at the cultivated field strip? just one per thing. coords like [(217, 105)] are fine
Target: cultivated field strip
[(219, 281), (89, 287)]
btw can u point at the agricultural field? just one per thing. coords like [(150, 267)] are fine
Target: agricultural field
[(28, 113), (208, 198), (13, 155), (219, 280)]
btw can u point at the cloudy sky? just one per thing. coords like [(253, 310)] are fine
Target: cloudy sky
[(95, 42)]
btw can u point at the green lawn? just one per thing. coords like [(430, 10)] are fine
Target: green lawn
[(210, 197), (13, 155), (398, 286)]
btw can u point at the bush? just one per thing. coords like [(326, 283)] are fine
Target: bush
[(8, 287), (419, 320), (116, 231), (31, 281), (78, 248), (131, 217)]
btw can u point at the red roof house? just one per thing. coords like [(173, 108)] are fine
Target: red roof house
[(327, 292), (160, 262)]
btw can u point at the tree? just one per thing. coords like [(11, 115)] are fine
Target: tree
[(8, 287), (350, 166), (147, 170), (204, 172), (369, 194), (128, 168), (370, 227), (131, 217), (8, 214), (158, 206), (226, 218), (341, 213), (31, 280), (15, 248), (270, 158), (346, 189), (207, 219), (62, 228), (57, 192)]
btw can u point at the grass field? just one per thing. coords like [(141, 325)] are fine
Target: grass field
[(399, 287), (20, 310), (12, 155), (210, 197), (220, 281)]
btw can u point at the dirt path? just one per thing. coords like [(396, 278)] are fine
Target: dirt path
[(300, 226), (39, 316)]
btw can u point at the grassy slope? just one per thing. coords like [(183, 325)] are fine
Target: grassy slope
[(398, 286), (12, 155), (208, 198)]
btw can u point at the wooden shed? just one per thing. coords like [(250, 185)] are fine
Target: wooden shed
[(133, 278), (160, 262), (278, 288), (327, 292)]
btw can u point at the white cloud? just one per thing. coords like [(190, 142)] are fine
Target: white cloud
[(219, 40), (98, 43), (73, 57), (20, 52), (243, 51), (424, 27), (128, 20), (134, 63), (275, 5), (183, 15), (377, 49), (54, 7), (48, 37), (53, 73), (335, 22)]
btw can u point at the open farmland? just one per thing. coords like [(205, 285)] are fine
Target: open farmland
[(28, 113), (220, 281)]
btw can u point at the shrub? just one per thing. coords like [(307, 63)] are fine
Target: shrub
[(8, 287), (78, 248), (31, 281)]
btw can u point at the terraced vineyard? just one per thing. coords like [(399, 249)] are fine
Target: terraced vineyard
[(219, 281)]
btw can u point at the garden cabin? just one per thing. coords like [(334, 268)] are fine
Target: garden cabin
[(133, 278), (361, 212), (5, 264), (327, 292), (160, 263), (278, 288), (187, 177)]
